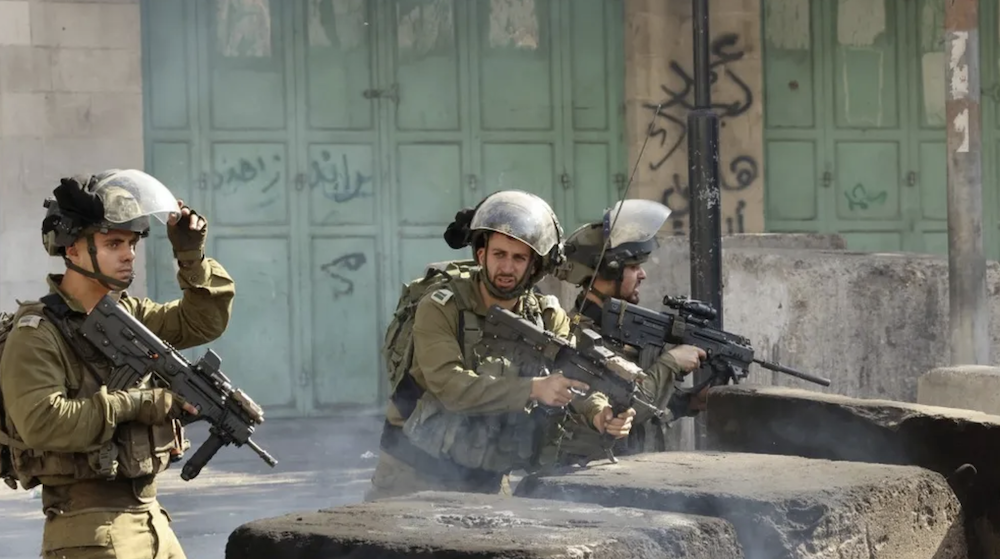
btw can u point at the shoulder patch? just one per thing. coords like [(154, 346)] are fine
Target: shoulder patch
[(30, 321), (441, 296)]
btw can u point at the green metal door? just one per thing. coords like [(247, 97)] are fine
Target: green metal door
[(854, 121), (503, 95), (330, 143)]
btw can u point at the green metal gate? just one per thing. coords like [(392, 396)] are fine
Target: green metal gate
[(854, 121), (331, 142)]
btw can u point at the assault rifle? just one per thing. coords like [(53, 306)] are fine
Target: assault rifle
[(728, 355), (138, 355), (588, 362)]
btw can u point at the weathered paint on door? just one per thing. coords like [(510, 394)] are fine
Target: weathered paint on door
[(514, 98), (330, 144), (854, 122)]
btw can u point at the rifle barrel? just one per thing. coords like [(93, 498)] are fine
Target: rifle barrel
[(262, 453), (788, 371)]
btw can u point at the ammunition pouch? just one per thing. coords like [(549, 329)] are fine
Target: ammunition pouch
[(499, 442)]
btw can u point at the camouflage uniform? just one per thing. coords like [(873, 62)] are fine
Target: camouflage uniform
[(630, 237), (96, 453), (469, 424)]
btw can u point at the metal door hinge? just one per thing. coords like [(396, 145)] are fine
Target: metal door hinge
[(827, 179), (911, 178), (566, 182)]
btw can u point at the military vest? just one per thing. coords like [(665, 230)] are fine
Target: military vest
[(648, 434), (499, 442), (136, 450), (397, 348)]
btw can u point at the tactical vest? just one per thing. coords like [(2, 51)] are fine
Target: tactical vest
[(479, 443), (397, 348), (648, 434), (136, 450)]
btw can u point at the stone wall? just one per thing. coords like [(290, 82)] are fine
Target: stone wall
[(70, 102)]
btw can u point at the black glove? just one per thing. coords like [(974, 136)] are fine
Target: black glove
[(189, 244)]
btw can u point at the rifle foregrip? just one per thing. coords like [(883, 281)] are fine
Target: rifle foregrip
[(201, 457)]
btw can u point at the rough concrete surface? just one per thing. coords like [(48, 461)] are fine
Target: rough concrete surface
[(673, 260), (873, 323), (782, 506), (969, 387), (439, 525), (776, 420), (669, 273)]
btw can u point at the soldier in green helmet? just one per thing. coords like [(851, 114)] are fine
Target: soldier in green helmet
[(94, 453), (607, 257), (460, 418)]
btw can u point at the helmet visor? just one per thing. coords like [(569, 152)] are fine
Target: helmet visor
[(520, 215), (638, 221), (130, 194)]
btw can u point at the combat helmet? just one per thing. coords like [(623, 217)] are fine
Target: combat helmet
[(627, 238), (519, 215), (115, 199)]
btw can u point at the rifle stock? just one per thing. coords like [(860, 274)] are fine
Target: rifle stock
[(728, 355), (140, 356)]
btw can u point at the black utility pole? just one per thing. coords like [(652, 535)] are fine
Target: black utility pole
[(703, 181)]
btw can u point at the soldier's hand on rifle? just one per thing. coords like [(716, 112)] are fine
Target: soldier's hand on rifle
[(605, 422), (554, 390), (688, 357), (156, 406)]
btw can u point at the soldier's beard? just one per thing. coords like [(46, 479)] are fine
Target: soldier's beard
[(505, 294)]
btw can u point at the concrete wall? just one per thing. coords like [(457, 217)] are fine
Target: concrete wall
[(872, 323), (659, 61), (70, 102)]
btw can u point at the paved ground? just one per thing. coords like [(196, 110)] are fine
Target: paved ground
[(321, 463)]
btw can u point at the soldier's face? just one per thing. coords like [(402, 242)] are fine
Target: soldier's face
[(115, 253), (631, 278), (505, 259)]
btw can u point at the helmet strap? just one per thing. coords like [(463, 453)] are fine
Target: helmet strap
[(507, 294), (113, 284)]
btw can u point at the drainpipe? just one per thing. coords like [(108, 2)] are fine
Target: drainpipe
[(968, 304), (703, 180)]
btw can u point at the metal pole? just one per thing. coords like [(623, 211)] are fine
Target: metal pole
[(703, 180), (968, 308)]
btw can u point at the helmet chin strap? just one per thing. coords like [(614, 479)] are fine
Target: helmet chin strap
[(109, 282), (603, 297), (522, 286), (506, 294)]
